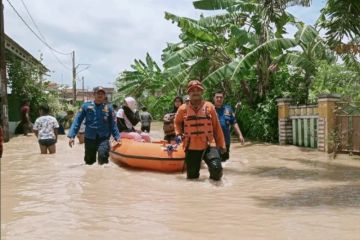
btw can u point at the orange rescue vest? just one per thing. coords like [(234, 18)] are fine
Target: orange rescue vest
[(198, 125)]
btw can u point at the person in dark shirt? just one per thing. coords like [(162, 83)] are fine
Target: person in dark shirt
[(25, 125), (227, 120), (145, 119)]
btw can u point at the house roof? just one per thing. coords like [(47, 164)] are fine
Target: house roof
[(22, 53)]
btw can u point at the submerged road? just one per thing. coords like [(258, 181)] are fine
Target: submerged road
[(268, 192)]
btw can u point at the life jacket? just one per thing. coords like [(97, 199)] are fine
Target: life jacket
[(168, 127), (198, 125)]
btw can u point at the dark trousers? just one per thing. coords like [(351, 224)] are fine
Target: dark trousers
[(145, 128), (170, 138), (225, 156), (212, 159), (99, 145)]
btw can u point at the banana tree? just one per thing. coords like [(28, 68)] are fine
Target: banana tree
[(144, 79), (312, 49), (202, 49), (262, 13)]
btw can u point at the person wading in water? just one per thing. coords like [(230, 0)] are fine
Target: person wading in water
[(197, 125), (227, 119), (99, 125)]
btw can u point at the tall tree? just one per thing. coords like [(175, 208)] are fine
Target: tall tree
[(262, 13), (341, 20)]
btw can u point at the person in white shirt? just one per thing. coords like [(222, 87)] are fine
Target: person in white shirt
[(127, 118), (46, 130)]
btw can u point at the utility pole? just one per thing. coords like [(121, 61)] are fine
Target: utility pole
[(83, 88), (4, 118), (74, 77)]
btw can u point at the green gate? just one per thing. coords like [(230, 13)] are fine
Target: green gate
[(304, 125), (305, 131)]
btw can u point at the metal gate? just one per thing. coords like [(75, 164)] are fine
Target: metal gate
[(304, 125), (305, 131), (348, 128)]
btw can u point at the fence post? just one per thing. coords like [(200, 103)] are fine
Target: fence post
[(285, 124), (326, 121)]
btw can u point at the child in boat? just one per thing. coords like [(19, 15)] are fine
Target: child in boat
[(168, 120), (46, 130), (127, 118)]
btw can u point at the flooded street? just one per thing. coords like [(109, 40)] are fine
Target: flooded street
[(268, 192)]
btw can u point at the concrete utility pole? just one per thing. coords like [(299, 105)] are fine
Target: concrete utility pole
[(75, 73), (4, 118), (83, 88), (74, 77)]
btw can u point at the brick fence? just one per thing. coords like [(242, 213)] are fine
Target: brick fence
[(308, 125)]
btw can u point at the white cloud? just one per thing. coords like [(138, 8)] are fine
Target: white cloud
[(108, 34)]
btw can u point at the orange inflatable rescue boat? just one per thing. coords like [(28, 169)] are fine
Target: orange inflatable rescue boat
[(156, 156)]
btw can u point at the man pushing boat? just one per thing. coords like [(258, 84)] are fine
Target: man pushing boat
[(197, 125)]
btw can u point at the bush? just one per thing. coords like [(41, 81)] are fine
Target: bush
[(259, 123)]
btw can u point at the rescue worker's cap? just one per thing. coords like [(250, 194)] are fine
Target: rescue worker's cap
[(194, 84), (98, 89)]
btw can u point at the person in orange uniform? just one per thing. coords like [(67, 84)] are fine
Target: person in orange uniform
[(201, 133)]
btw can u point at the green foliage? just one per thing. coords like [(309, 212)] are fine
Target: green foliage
[(259, 123), (144, 79), (340, 18), (243, 52), (340, 79), (25, 83)]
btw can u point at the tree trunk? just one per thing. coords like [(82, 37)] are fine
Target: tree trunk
[(247, 92), (307, 79), (263, 63)]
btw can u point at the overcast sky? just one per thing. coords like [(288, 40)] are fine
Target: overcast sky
[(108, 34)]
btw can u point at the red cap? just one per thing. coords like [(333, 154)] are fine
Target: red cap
[(194, 84)]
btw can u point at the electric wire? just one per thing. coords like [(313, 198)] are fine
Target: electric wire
[(38, 37)]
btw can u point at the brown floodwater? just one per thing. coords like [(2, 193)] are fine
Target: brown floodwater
[(268, 192)]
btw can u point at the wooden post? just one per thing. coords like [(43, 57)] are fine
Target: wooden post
[(326, 121), (4, 117)]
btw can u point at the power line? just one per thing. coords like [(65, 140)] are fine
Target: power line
[(33, 21), (36, 35), (59, 61), (44, 39), (38, 29)]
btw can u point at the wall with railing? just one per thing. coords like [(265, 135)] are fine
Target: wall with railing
[(308, 125)]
